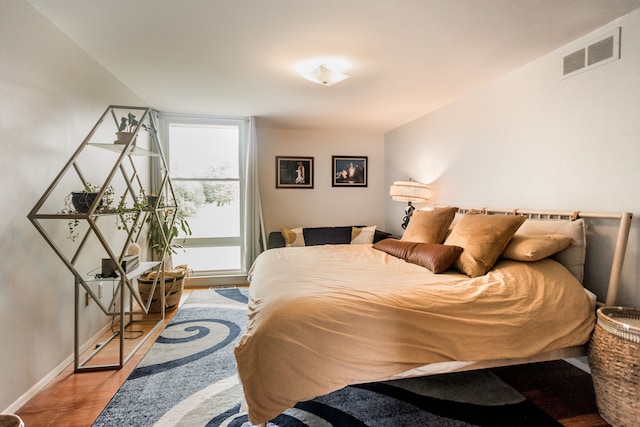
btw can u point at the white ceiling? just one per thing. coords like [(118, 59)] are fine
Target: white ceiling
[(238, 57)]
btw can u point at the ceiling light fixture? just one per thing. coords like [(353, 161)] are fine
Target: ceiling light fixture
[(325, 76)]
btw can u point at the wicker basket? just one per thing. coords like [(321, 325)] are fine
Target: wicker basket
[(11, 420), (173, 287), (614, 359)]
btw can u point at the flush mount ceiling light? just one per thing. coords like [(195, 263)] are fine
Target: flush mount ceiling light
[(325, 76), (325, 70)]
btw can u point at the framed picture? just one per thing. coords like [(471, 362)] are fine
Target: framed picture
[(294, 172), (350, 171)]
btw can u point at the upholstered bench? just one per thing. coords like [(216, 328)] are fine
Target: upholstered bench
[(312, 236)]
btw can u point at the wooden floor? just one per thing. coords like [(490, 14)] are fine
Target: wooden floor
[(77, 399), (560, 389)]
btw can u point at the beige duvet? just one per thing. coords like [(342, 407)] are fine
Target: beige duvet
[(323, 317)]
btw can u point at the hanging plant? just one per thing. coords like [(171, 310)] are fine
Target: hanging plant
[(82, 201), (128, 216)]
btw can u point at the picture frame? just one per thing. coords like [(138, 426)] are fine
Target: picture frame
[(349, 171), (294, 172)]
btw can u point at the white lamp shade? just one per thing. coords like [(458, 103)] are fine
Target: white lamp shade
[(409, 191)]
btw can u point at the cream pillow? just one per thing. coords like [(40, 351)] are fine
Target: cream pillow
[(483, 238), (573, 257), (534, 248), (293, 237), (429, 226), (362, 235)]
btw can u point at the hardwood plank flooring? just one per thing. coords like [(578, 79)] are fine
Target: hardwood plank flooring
[(75, 400), (558, 388)]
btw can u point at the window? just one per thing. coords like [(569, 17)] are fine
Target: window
[(204, 160)]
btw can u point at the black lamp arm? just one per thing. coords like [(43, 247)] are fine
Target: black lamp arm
[(408, 211)]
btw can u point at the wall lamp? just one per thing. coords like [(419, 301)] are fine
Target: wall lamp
[(410, 192)]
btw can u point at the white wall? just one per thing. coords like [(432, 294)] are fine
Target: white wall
[(51, 94), (533, 140), (323, 205)]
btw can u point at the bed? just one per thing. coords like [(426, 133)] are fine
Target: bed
[(324, 317)]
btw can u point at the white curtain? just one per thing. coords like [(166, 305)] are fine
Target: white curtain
[(254, 235)]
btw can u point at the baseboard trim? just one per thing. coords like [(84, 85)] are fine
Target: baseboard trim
[(216, 281), (40, 385)]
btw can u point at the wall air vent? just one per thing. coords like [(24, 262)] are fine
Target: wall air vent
[(601, 51), (574, 61)]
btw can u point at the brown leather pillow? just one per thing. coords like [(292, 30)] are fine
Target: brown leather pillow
[(433, 256), (397, 248)]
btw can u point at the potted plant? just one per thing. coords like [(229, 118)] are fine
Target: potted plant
[(152, 201), (160, 233), (169, 228), (81, 202), (126, 128)]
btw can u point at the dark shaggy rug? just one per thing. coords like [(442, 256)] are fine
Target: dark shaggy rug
[(188, 378)]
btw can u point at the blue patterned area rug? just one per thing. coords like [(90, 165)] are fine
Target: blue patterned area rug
[(188, 378)]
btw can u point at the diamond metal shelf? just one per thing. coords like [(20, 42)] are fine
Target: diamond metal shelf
[(131, 189)]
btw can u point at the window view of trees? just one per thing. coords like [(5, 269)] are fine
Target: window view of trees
[(211, 208), (204, 169), (192, 198)]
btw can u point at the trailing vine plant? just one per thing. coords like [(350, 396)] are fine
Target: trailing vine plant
[(69, 208)]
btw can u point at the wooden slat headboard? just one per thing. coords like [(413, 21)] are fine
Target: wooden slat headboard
[(620, 249)]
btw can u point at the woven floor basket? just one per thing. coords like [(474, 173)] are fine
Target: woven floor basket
[(614, 359), (173, 287)]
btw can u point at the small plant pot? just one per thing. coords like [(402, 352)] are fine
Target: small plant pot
[(125, 137), (83, 201)]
